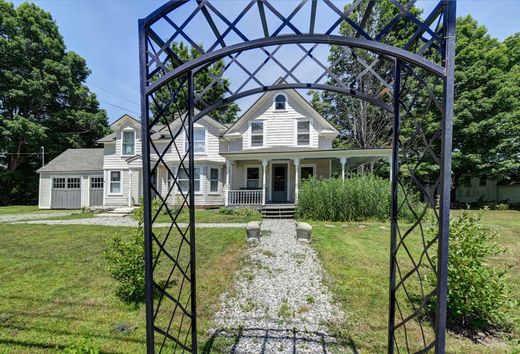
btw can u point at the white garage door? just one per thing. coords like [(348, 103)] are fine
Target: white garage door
[(66, 193)]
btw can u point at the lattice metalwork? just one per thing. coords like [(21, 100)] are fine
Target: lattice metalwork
[(265, 45)]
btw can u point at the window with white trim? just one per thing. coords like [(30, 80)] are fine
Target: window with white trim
[(306, 172), (199, 141), (115, 182), (303, 132), (253, 177), (184, 181), (257, 134), (58, 183), (73, 183), (213, 179), (280, 103), (128, 143), (96, 183)]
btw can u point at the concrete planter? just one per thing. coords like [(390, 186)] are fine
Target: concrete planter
[(253, 230), (303, 232)]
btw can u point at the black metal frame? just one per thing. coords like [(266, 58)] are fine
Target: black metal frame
[(169, 96)]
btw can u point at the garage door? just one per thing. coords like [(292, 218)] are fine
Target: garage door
[(66, 193), (96, 191)]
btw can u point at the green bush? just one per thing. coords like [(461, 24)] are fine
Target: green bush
[(126, 260), (82, 346), (478, 294), (243, 211), (355, 199)]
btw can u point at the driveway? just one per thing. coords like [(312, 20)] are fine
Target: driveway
[(34, 216)]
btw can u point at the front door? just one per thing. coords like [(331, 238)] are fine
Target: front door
[(279, 187)]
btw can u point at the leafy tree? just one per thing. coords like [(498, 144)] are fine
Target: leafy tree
[(487, 106), (43, 99), (202, 80)]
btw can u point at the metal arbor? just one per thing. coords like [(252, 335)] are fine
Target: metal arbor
[(256, 41)]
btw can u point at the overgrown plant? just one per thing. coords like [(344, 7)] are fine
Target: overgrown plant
[(478, 293), (355, 199), (243, 211), (126, 260)]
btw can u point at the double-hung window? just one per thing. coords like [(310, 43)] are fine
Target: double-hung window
[(213, 179), (115, 182), (128, 143), (257, 134), (304, 133), (253, 177), (199, 141), (184, 181)]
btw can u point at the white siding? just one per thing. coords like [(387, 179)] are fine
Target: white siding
[(44, 200), (511, 194)]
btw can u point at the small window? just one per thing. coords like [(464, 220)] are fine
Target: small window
[(213, 179), (128, 143), (96, 183), (253, 178), (482, 181), (280, 102), (257, 134), (73, 183), (306, 172), (184, 181), (58, 183), (199, 141), (169, 179), (115, 182), (304, 133)]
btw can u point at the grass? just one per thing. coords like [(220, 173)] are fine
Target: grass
[(356, 258), (56, 291), (23, 209), (209, 216)]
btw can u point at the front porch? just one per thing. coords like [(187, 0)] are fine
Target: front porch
[(259, 177)]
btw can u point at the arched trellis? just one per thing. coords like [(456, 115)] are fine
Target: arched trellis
[(408, 77)]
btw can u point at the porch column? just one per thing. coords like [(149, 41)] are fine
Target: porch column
[(391, 172), (343, 160), (264, 179), (228, 182), (129, 188), (296, 178)]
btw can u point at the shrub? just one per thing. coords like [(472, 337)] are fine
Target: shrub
[(239, 211), (355, 199), (126, 260), (82, 346), (478, 294)]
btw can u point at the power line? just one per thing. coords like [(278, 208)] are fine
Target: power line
[(114, 94), (115, 105)]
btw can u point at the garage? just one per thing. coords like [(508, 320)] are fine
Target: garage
[(72, 180)]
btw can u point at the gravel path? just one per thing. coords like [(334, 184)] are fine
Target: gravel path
[(118, 221), (279, 303), (17, 217)]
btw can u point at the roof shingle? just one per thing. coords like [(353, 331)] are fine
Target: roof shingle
[(73, 160)]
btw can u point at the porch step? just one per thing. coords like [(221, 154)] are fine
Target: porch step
[(279, 211)]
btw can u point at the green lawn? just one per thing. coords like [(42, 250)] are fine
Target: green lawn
[(209, 216), (356, 258), (55, 289), (23, 209)]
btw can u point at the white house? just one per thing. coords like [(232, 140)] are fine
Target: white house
[(260, 159)]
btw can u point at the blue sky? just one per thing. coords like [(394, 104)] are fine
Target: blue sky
[(104, 32)]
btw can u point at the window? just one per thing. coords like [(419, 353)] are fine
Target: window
[(96, 183), (115, 182), (128, 143), (306, 172), (184, 181), (199, 141), (482, 181), (280, 102), (73, 183), (257, 134), (253, 177), (213, 179), (169, 179), (304, 133), (58, 183)]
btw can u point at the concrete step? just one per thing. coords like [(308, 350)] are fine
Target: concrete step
[(281, 211)]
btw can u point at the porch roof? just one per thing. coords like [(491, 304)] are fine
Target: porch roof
[(291, 152)]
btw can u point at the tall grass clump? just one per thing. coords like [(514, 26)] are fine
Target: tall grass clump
[(355, 199)]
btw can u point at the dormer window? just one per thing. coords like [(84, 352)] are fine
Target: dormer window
[(128, 143), (280, 103)]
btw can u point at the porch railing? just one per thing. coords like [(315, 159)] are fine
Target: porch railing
[(245, 197)]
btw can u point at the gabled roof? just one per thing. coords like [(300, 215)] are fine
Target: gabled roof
[(124, 118), (73, 160), (295, 95)]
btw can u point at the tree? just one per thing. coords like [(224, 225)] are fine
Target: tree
[(202, 80), (487, 107), (43, 99), (362, 125)]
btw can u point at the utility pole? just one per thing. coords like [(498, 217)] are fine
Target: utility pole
[(43, 155)]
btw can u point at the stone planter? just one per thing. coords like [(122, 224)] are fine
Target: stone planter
[(253, 230), (303, 232)]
